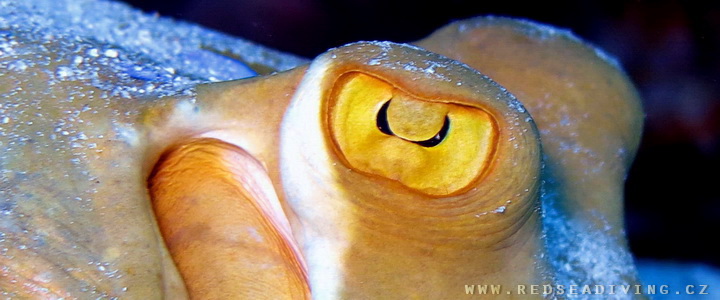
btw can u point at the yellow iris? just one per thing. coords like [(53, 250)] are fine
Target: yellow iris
[(435, 147)]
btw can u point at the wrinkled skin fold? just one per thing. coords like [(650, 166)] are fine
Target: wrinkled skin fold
[(324, 181)]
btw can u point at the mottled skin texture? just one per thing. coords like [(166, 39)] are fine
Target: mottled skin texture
[(358, 235), (79, 218)]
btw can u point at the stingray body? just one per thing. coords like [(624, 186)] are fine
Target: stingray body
[(379, 171)]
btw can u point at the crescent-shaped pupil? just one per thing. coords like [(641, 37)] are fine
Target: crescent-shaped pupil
[(382, 121), (438, 138), (384, 127)]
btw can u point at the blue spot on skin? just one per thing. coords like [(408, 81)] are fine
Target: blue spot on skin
[(214, 67), (225, 68), (148, 73)]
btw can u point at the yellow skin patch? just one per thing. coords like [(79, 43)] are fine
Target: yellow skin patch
[(439, 170)]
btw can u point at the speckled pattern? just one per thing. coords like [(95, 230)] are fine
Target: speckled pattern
[(177, 46), (73, 79)]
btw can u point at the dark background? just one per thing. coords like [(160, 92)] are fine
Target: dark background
[(669, 48)]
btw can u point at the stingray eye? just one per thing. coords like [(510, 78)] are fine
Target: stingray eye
[(436, 147)]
